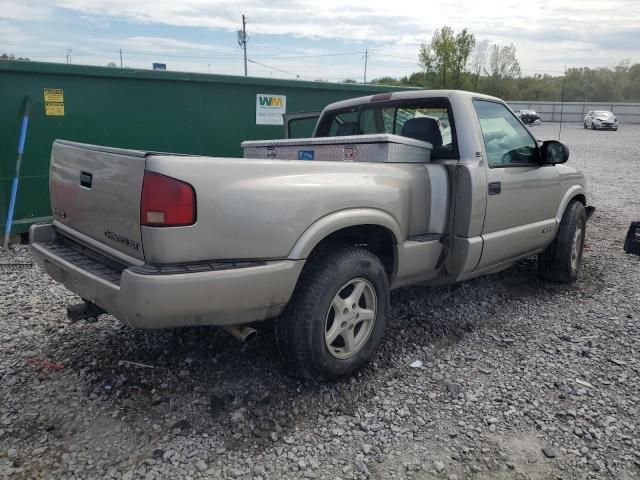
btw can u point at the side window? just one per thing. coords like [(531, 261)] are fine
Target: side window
[(345, 123), (429, 120), (507, 142), (371, 122), (388, 116)]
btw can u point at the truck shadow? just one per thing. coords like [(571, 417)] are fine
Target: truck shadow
[(243, 393)]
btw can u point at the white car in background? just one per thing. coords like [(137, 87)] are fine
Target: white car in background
[(601, 120)]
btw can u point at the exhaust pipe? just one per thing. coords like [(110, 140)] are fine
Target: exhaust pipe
[(241, 332), (83, 311)]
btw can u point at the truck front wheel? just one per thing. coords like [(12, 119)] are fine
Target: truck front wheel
[(560, 262), (337, 315)]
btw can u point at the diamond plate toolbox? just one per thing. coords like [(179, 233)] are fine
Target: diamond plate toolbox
[(383, 148)]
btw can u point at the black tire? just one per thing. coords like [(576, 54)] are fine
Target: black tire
[(585, 125), (300, 330), (557, 263), (593, 126)]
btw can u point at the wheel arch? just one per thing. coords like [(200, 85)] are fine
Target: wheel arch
[(374, 230), (576, 192)]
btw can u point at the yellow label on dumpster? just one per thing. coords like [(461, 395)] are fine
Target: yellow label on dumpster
[(54, 102), (53, 95), (54, 109)]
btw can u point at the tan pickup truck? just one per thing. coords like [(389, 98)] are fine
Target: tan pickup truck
[(394, 189)]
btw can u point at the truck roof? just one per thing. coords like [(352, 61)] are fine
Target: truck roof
[(409, 95)]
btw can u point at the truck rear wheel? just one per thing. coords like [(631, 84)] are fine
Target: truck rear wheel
[(560, 262), (337, 315)]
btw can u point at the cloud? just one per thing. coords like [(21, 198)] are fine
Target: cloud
[(171, 45), (401, 25), (548, 34), (23, 10)]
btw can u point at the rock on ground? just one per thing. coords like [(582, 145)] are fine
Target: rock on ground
[(511, 366)]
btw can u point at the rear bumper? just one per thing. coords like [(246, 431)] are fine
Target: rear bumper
[(150, 297)]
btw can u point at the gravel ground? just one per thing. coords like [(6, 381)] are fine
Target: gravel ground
[(521, 378)]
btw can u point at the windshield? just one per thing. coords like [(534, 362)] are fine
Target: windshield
[(604, 114), (429, 121)]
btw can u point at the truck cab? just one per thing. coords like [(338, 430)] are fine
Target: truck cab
[(509, 200)]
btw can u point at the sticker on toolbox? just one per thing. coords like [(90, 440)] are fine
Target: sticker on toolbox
[(305, 155)]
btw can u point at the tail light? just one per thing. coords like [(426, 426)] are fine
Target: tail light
[(166, 202)]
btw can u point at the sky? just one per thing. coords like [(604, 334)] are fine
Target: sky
[(314, 40)]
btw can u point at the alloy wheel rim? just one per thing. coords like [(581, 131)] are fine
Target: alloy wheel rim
[(575, 250), (350, 319)]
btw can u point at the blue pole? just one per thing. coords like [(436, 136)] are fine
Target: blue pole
[(16, 178)]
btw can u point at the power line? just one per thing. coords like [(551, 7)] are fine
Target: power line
[(170, 55), (45, 56), (232, 57), (359, 52), (274, 68), (374, 52)]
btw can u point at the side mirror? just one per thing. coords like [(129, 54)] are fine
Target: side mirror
[(552, 152)]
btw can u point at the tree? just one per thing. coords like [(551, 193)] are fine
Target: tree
[(111, 64), (504, 68), (478, 61), (446, 56), (458, 61), (503, 62), (11, 56), (388, 81), (631, 90), (620, 78)]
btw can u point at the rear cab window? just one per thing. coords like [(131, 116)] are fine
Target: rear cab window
[(429, 120)]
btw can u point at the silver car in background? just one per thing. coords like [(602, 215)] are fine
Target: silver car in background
[(601, 120)]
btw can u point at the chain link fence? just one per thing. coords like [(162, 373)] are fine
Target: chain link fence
[(576, 111)]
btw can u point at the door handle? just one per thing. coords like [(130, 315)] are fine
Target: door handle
[(86, 179), (495, 188)]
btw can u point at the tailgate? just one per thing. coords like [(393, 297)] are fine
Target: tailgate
[(95, 191)]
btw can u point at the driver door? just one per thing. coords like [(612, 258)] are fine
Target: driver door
[(300, 124), (522, 194)]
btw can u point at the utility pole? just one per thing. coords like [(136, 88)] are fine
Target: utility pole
[(120, 58), (615, 86), (244, 38), (564, 78), (242, 41), (68, 56), (366, 57)]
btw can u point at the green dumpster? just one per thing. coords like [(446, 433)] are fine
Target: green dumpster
[(142, 109)]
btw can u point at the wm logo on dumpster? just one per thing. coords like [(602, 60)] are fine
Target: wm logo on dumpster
[(270, 101)]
